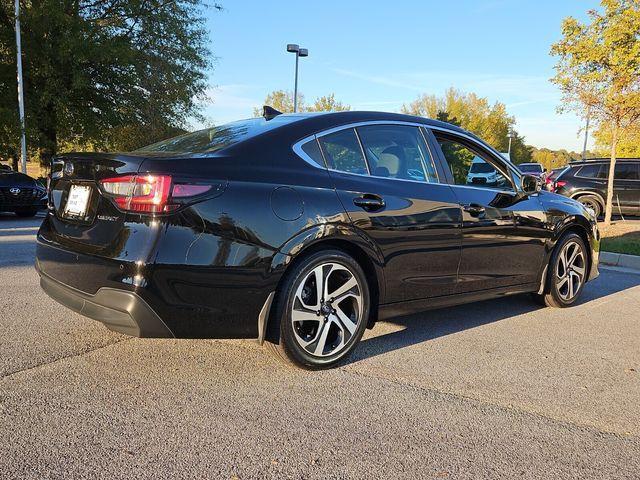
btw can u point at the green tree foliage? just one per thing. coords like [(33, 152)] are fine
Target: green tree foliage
[(111, 74), (492, 123), (282, 100), (551, 159), (598, 72)]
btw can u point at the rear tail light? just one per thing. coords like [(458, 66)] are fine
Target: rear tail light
[(558, 184), (149, 193)]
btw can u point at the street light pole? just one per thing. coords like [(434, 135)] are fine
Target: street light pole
[(300, 52), (23, 139), (509, 149)]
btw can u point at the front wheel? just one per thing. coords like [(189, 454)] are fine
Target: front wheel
[(321, 311), (566, 274)]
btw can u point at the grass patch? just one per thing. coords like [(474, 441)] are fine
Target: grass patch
[(629, 246)]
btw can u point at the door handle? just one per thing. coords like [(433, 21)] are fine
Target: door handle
[(369, 202), (474, 209)]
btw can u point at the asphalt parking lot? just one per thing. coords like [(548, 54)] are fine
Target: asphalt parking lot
[(498, 389)]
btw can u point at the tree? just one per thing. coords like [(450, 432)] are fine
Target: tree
[(328, 103), (282, 100), (628, 146), (598, 71), (492, 123), (94, 69)]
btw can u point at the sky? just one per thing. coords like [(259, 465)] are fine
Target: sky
[(378, 55)]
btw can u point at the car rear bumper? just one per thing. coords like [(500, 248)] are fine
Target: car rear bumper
[(119, 310)]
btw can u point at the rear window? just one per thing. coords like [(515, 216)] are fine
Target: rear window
[(530, 168), (214, 139), (592, 171)]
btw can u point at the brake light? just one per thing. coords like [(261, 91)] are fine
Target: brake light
[(558, 184), (140, 193)]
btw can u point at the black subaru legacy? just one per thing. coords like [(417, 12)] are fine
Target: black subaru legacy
[(302, 230), (21, 194)]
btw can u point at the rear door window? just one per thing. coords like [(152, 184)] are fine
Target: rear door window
[(627, 171), (593, 171), (343, 153), (397, 151)]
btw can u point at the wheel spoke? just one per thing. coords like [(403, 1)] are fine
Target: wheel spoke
[(574, 255), (345, 320), (562, 281), (319, 350), (304, 316), (578, 270), (571, 291), (348, 285)]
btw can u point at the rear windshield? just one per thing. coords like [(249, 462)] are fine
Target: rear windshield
[(530, 168), (214, 139)]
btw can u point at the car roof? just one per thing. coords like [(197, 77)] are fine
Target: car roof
[(600, 160)]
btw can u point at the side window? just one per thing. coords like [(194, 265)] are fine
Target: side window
[(312, 149), (627, 171), (396, 151), (342, 152), (593, 171), (470, 167)]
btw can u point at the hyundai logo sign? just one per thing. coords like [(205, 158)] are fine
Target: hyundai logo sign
[(14, 190), (68, 168)]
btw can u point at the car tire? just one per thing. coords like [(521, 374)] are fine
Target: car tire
[(592, 202), (566, 274), (26, 212), (314, 333)]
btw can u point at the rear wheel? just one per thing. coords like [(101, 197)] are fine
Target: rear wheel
[(321, 311), (592, 203), (27, 212), (566, 274)]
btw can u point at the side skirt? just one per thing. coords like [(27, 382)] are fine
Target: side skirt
[(398, 309)]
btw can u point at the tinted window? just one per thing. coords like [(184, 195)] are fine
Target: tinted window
[(216, 138), (470, 167), (313, 150), (395, 151), (627, 171), (530, 168), (342, 152), (593, 171)]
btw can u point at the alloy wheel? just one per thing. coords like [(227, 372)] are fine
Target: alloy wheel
[(327, 309), (570, 270)]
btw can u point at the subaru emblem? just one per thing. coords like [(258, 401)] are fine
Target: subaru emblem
[(14, 190), (68, 168)]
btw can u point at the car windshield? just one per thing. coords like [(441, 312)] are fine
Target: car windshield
[(214, 139), (531, 168), (481, 167)]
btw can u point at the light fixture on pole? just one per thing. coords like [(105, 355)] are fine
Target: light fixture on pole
[(510, 135), (300, 52), (23, 140)]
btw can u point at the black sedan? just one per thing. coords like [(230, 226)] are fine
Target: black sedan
[(21, 194), (303, 230)]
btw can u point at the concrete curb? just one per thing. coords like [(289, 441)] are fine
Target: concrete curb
[(620, 260)]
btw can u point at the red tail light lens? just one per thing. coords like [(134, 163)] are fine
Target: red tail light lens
[(140, 193), (558, 184)]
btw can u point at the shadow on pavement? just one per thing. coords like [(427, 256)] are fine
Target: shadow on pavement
[(433, 324)]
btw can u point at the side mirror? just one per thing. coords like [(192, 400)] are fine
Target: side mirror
[(530, 184)]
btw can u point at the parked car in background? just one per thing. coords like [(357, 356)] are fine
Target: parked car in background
[(482, 173), (532, 168), (303, 230), (551, 177), (586, 182), (21, 194)]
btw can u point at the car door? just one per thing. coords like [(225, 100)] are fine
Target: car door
[(386, 178), (626, 187), (503, 231)]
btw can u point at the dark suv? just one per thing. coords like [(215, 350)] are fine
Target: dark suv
[(587, 183)]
